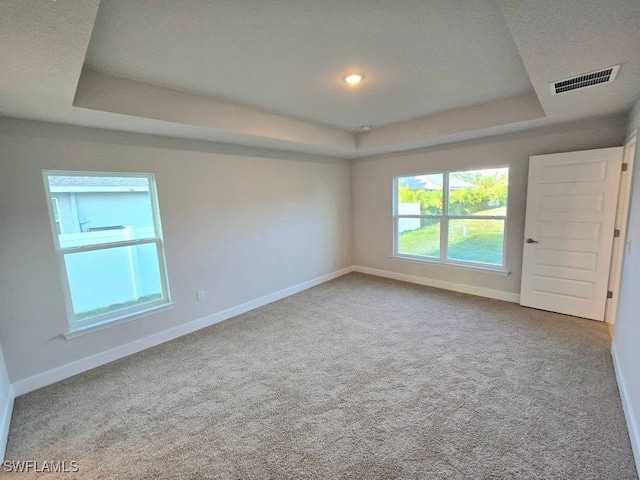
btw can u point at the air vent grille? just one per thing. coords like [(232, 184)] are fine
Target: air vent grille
[(585, 80)]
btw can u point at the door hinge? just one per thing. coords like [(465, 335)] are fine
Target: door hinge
[(625, 167), (616, 232), (609, 294)]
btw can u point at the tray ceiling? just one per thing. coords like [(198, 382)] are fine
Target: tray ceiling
[(269, 74)]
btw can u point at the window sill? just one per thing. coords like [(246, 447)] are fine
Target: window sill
[(112, 322), (459, 266)]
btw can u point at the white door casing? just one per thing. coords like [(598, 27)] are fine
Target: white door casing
[(619, 243), (569, 228)]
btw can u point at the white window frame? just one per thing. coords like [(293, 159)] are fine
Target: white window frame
[(80, 327), (444, 225), (56, 213)]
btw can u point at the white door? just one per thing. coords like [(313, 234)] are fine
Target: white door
[(569, 228)]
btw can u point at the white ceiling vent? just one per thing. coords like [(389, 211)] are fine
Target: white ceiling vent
[(585, 80)]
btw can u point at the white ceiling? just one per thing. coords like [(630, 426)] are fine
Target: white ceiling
[(288, 56), (269, 73)]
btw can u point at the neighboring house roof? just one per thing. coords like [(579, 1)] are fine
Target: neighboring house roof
[(78, 183), (432, 182), (75, 181)]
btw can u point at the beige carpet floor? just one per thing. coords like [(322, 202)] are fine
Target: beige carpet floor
[(360, 377)]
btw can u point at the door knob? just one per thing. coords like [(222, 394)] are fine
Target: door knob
[(531, 240)]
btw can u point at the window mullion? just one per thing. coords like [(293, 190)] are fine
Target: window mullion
[(394, 216), (162, 264), (444, 222), (155, 209)]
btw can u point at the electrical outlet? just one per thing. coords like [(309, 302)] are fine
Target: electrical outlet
[(200, 295)]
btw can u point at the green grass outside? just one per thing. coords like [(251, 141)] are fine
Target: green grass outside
[(117, 306), (482, 242)]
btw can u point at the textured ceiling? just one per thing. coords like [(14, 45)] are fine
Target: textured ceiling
[(288, 56), (267, 74), (561, 39)]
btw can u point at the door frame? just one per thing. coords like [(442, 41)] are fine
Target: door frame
[(622, 220)]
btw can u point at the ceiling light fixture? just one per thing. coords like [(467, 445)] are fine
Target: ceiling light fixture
[(365, 128), (353, 78)]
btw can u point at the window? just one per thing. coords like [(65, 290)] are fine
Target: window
[(452, 217), (55, 210), (107, 234)]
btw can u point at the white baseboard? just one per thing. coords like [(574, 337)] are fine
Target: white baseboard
[(57, 374), (430, 282), (54, 375), (5, 421), (632, 420)]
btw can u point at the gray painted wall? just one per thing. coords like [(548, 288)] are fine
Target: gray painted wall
[(4, 384), (239, 223), (6, 404), (626, 338), (633, 119), (372, 193)]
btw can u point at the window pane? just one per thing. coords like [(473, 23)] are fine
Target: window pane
[(473, 240), (101, 209), (419, 236), (478, 192), (420, 195), (112, 279)]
